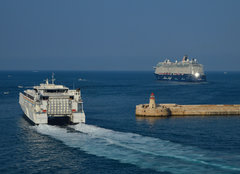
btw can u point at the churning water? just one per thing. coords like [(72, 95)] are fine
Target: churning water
[(142, 151)]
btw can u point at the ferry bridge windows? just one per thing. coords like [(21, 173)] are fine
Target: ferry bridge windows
[(55, 90), (44, 97)]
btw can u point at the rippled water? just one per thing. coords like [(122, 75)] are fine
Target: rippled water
[(113, 140)]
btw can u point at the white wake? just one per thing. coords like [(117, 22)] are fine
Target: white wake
[(142, 151)]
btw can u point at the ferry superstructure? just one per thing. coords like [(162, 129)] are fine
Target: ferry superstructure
[(185, 70), (52, 101)]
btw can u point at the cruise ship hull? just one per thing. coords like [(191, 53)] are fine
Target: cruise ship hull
[(180, 77)]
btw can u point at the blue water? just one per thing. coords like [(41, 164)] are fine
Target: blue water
[(113, 140)]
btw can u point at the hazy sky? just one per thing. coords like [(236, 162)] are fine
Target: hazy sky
[(118, 35)]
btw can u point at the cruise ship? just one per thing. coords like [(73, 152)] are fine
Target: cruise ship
[(185, 70), (50, 101)]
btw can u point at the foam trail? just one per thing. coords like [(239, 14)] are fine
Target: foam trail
[(142, 151)]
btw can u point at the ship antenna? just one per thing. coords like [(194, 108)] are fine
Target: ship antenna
[(53, 78), (46, 81)]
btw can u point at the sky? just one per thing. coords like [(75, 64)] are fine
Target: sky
[(122, 35)]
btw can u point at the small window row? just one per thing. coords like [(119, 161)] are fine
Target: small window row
[(29, 96)]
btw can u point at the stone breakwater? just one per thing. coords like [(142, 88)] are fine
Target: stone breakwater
[(153, 109), (186, 110)]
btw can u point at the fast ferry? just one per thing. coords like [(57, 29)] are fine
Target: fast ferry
[(51, 101)]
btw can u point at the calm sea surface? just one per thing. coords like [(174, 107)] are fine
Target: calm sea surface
[(113, 140)]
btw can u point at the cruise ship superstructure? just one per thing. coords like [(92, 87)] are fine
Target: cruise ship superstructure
[(185, 70), (52, 101)]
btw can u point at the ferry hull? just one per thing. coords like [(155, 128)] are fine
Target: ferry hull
[(181, 78), (34, 117), (29, 109)]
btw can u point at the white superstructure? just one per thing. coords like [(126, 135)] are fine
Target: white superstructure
[(52, 101)]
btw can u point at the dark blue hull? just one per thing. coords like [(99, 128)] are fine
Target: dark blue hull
[(181, 77)]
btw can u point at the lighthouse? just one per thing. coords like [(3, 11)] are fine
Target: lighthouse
[(153, 109), (152, 103)]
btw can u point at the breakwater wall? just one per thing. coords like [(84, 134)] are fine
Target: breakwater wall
[(186, 110)]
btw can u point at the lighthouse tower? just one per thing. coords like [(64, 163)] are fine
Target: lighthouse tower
[(152, 103)]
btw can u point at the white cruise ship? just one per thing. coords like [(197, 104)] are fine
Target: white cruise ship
[(52, 101), (185, 71)]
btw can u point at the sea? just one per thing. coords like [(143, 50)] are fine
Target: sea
[(114, 140)]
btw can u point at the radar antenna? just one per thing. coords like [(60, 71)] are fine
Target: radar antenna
[(53, 78)]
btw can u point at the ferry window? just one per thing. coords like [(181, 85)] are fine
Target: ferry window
[(61, 90), (71, 97), (44, 97), (29, 96), (80, 107), (50, 91), (55, 90)]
